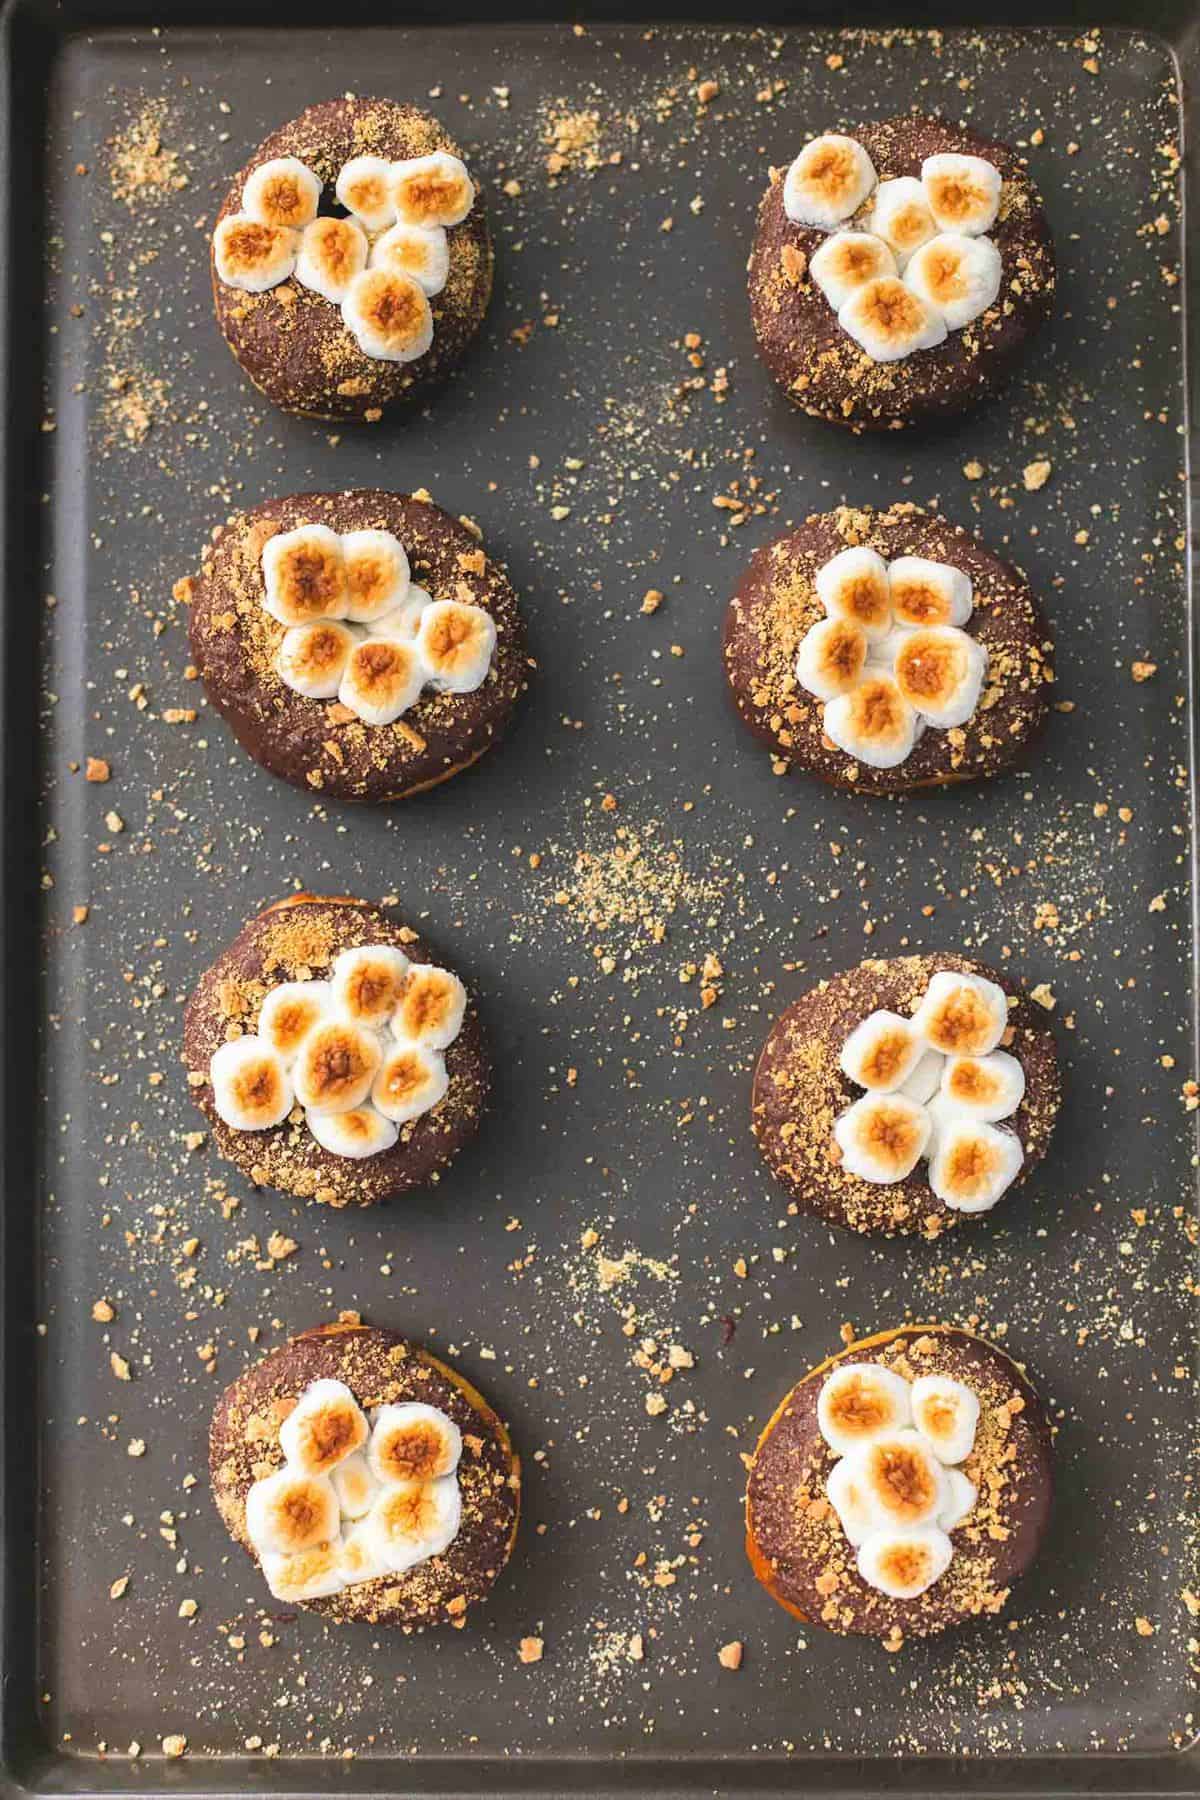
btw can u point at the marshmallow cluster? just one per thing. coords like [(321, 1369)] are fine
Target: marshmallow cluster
[(357, 1498), (936, 1086), (360, 630), (895, 1487), (362, 1053), (891, 656), (381, 264), (917, 265)]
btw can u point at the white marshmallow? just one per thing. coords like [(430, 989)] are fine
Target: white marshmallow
[(860, 1402), (359, 1556), (312, 658), (364, 188), (411, 1441), (902, 1564), (962, 1495), (854, 585), (889, 321), (354, 1486), (831, 657), (366, 983), (974, 1164), (422, 252), (941, 670), (431, 1009), (325, 1426), (335, 1067), (288, 1511), (411, 1081), (388, 316), (900, 215), (943, 1112), (332, 252), (963, 192), (962, 1015), (957, 275), (304, 574), (844, 1492), (376, 574), (925, 1079), (402, 621), (432, 190), (283, 191), (845, 260), (984, 1087), (252, 1090), (357, 1133), (881, 1052), (828, 181), (383, 677), (874, 723), (252, 256), (309, 1575), (928, 593), (412, 1521), (946, 1413), (456, 643), (289, 1012), (882, 1137)]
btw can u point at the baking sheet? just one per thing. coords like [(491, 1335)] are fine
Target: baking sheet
[(614, 1199)]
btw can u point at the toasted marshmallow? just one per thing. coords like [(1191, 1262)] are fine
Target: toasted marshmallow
[(888, 320), (304, 573), (332, 252), (312, 659), (940, 670), (854, 585), (984, 1087), (828, 181), (963, 192), (422, 252), (845, 260), (958, 275), (847, 1496), (456, 643), (962, 1495), (382, 679), (252, 256), (325, 1426), (283, 191), (928, 593), (903, 1482), (412, 1521), (290, 1012), (831, 658), (881, 1052), (403, 621), (388, 315), (251, 1087), (925, 1079), (962, 1015), (882, 1137), (874, 723), (974, 1163), (354, 1485), (289, 1511), (413, 1442), (376, 574), (900, 215), (309, 1575), (431, 1009), (335, 1067), (411, 1081), (359, 1557), (356, 1134), (946, 1413), (364, 188), (366, 983), (902, 1564), (432, 190), (860, 1402)]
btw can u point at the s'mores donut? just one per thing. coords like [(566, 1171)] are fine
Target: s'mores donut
[(368, 1479), (351, 261), (886, 651), (361, 645), (901, 1487), (334, 1058), (906, 1095), (898, 271)]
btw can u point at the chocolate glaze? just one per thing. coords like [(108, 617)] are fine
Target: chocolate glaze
[(776, 602), (799, 1090), (823, 371)]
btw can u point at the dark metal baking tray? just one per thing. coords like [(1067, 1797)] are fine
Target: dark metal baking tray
[(622, 1103)]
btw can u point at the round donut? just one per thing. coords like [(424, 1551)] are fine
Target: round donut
[(800, 1090), (776, 603), (795, 1541), (290, 340), (320, 745), (820, 367), (297, 939), (380, 1368)]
